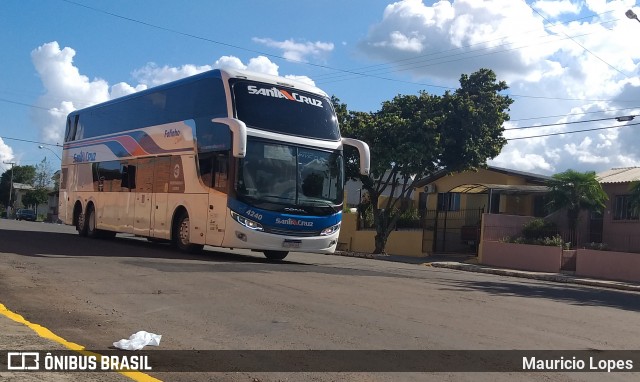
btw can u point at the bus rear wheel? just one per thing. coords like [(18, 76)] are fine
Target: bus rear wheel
[(90, 222), (181, 233), (81, 223), (275, 255)]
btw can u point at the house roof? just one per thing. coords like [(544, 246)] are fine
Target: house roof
[(620, 175), (22, 186), (511, 189), (528, 176)]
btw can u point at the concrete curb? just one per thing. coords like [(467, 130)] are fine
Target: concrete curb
[(553, 277)]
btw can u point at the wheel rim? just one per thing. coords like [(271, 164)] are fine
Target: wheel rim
[(184, 232)]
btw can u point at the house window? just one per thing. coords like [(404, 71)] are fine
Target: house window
[(622, 208), (448, 201)]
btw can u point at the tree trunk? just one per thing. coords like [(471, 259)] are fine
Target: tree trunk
[(381, 243)]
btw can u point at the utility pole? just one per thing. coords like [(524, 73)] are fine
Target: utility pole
[(10, 187)]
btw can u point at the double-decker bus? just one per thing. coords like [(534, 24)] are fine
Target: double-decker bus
[(225, 158)]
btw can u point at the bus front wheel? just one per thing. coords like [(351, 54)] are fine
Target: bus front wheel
[(275, 255), (181, 233)]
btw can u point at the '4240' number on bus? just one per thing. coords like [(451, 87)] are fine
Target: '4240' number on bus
[(254, 214)]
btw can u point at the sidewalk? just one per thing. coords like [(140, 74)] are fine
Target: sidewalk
[(467, 263)]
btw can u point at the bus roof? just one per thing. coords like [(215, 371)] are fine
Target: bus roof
[(216, 73)]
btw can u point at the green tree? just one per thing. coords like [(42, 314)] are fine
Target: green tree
[(44, 174), (575, 191), (634, 198), (35, 197), (413, 136), (21, 174)]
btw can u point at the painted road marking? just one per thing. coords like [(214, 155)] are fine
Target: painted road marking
[(48, 334)]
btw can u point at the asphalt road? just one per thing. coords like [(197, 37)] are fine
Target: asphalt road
[(95, 292)]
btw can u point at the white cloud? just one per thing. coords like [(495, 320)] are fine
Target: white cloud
[(66, 89), (554, 8), (152, 75), (6, 154), (298, 51), (437, 42)]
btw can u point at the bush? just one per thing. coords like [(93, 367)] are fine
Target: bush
[(539, 229), (409, 219), (550, 241), (597, 246)]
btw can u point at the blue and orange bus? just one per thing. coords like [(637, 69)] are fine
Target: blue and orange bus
[(224, 158)]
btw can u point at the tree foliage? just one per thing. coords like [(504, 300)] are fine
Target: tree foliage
[(21, 174), (413, 136), (575, 191), (35, 197)]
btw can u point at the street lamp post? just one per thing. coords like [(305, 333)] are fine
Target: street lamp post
[(10, 186), (54, 153)]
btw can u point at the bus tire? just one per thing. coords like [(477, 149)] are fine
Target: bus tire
[(275, 255), (81, 224), (181, 232), (90, 223)]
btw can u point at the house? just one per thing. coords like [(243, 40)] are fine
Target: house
[(619, 225), (19, 191), (454, 203), (451, 207)]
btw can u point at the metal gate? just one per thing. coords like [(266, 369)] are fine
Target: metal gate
[(453, 231)]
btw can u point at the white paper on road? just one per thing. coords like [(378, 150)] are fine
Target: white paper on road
[(138, 340)]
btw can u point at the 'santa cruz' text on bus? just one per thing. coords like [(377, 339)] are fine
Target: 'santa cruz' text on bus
[(279, 93), (84, 157)]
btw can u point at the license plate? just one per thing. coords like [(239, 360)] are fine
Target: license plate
[(292, 243)]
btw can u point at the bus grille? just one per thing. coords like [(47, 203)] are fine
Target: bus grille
[(286, 232)]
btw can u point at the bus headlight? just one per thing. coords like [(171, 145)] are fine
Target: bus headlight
[(247, 222), (330, 230)]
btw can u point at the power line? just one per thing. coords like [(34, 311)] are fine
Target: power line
[(370, 67), (580, 45), (572, 132), (352, 72), (28, 141), (572, 114), (566, 123)]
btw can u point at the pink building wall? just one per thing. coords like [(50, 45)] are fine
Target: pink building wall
[(608, 265)]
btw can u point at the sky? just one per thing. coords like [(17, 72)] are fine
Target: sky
[(570, 65)]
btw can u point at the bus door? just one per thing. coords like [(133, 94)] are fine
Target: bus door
[(160, 227), (126, 203), (143, 202), (214, 170)]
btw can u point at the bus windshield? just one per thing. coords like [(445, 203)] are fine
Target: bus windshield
[(285, 110), (282, 177)]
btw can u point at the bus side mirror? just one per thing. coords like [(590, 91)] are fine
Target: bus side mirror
[(239, 135), (363, 149)]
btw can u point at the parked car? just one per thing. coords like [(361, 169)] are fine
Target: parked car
[(24, 214)]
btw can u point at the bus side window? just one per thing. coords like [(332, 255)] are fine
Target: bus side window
[(221, 168), (70, 134), (78, 129), (206, 168), (128, 176)]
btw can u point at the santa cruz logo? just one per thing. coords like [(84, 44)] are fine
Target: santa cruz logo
[(279, 93), (296, 222)]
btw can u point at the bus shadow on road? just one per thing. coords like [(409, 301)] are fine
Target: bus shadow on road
[(54, 244), (142, 253), (571, 294)]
